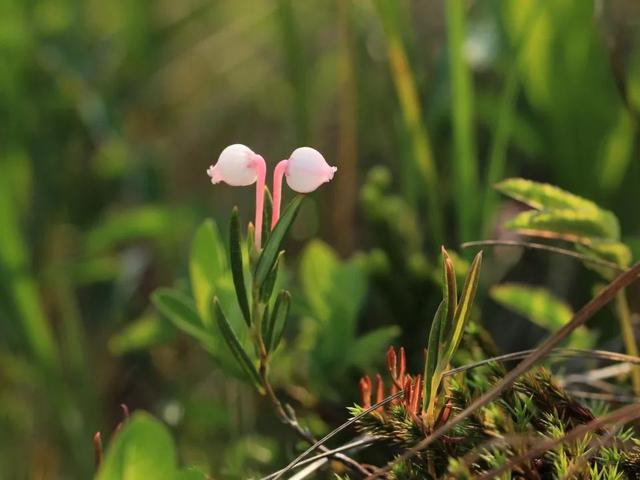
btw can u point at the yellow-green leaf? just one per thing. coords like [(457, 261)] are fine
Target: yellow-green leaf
[(579, 224)]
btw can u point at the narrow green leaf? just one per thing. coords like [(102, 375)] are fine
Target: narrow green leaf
[(267, 287), (277, 320), (237, 268), (449, 296), (272, 247), (266, 216), (181, 311), (463, 309), (230, 337), (578, 223), (433, 349)]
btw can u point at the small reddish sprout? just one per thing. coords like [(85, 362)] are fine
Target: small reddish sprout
[(97, 449), (365, 391), (415, 396), (403, 366)]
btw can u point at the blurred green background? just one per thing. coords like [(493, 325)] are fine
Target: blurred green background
[(112, 111)]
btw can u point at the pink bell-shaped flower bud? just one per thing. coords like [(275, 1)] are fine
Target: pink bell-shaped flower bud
[(239, 166), (305, 170), (235, 166)]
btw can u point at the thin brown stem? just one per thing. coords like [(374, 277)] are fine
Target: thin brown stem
[(547, 248)]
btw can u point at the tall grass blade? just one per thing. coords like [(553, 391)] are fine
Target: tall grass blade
[(388, 11), (464, 145)]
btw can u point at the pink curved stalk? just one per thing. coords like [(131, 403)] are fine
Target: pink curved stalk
[(261, 173), (278, 173)]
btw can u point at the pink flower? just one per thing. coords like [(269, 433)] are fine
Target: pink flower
[(305, 170), (239, 166)]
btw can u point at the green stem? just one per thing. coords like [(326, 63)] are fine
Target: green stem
[(630, 344)]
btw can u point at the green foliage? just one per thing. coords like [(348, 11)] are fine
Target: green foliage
[(594, 231), (143, 449), (542, 308), (181, 311), (558, 211), (334, 292), (143, 333), (113, 110), (207, 264), (558, 80), (210, 276)]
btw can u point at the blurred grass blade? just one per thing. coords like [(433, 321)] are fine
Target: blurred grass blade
[(272, 248), (277, 320), (505, 123), (181, 311), (297, 68), (20, 284), (388, 11), (464, 147), (230, 337), (237, 268)]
